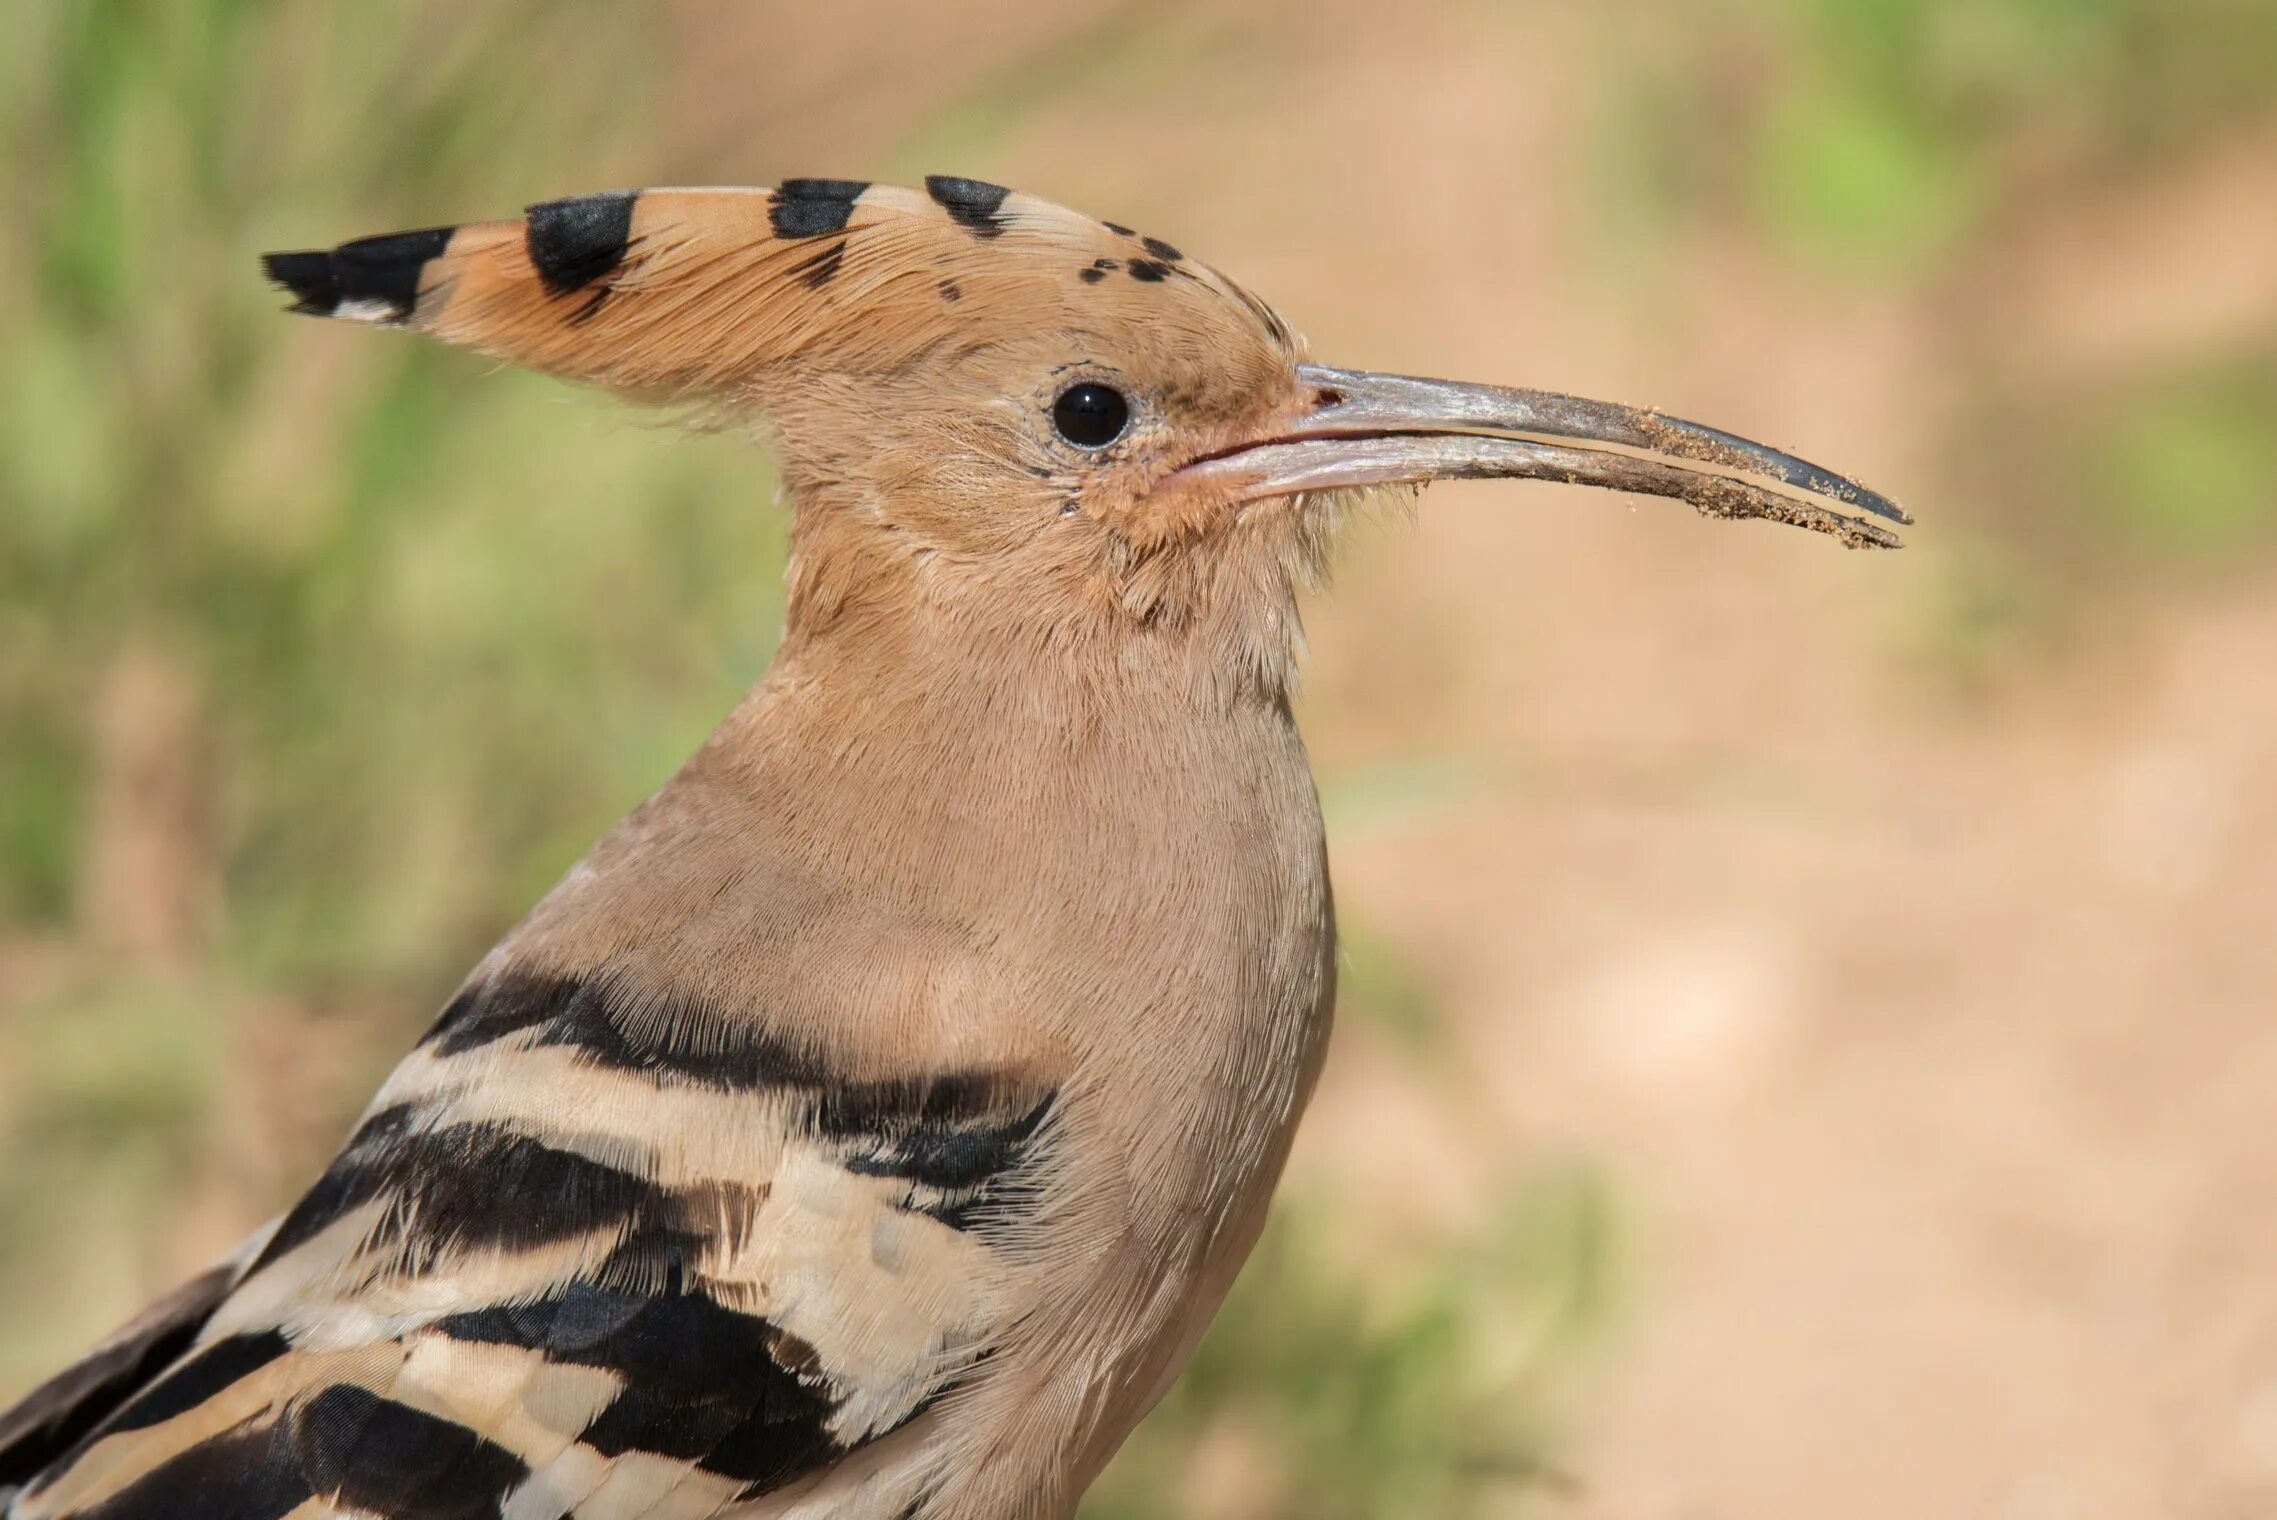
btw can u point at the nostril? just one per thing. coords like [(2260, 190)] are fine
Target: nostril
[(1327, 396)]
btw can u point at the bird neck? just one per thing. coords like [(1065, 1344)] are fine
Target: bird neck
[(936, 674), (1075, 629)]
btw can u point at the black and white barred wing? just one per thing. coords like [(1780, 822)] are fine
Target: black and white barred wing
[(585, 1257), (54, 1418)]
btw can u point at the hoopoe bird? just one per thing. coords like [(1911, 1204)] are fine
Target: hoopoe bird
[(869, 1126)]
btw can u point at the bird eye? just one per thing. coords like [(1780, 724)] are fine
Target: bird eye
[(1091, 415)]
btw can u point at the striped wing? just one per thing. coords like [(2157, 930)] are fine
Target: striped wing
[(55, 1417), (590, 1254)]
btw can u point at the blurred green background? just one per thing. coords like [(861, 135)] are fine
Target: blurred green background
[(1806, 1046)]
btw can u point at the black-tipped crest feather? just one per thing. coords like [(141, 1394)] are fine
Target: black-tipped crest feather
[(381, 270)]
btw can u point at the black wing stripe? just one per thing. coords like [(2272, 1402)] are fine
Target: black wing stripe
[(702, 1382), (851, 1110), (960, 1173), (677, 1038), (670, 1038), (491, 1010), (777, 1443), (209, 1372), (372, 1454), (472, 1185), (950, 1135), (55, 1420), (952, 1157), (244, 1474)]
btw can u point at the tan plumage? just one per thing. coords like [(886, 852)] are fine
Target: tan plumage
[(870, 1124)]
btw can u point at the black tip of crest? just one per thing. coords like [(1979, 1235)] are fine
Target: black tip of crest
[(378, 274), (308, 276)]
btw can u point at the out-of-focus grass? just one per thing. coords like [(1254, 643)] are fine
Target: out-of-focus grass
[(1906, 152), (432, 645), (2190, 466), (1899, 125), (2169, 471)]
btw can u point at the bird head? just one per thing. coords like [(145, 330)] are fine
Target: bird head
[(1000, 412)]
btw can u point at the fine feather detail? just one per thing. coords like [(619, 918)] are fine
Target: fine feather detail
[(471, 1307), (679, 294), (52, 1419)]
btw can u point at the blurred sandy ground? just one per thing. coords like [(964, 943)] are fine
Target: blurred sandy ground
[(1895, 937)]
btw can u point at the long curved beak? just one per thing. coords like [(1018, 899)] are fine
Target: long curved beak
[(1369, 429)]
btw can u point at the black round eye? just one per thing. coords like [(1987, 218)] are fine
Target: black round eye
[(1091, 415)]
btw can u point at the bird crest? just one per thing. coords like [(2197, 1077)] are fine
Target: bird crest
[(689, 293)]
